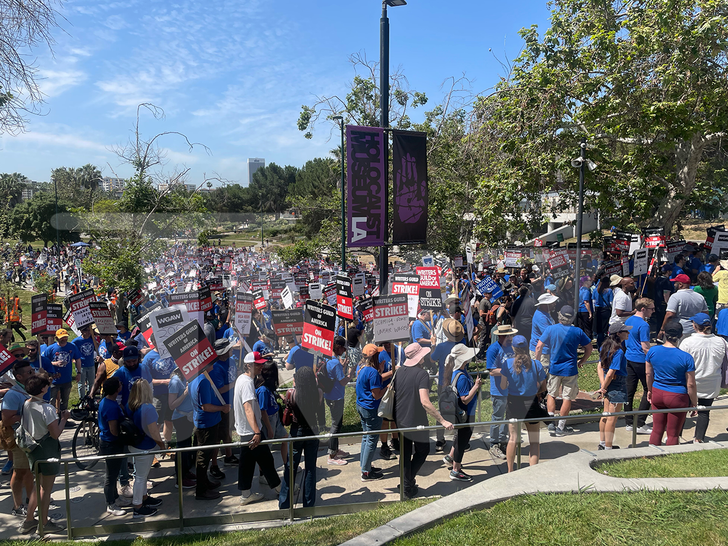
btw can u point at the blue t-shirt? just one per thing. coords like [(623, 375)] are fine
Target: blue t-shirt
[(640, 332), (123, 337), (540, 322), (604, 299), (696, 264), (127, 378), (103, 350), (262, 348), (367, 380), (200, 392), (160, 368), (177, 386), (386, 359), (709, 268), (563, 341), (463, 385), (525, 383), (336, 373), (619, 363), (46, 365), (109, 410), (669, 366), (220, 375), (300, 357), (419, 331), (266, 400), (14, 400), (87, 350), (440, 354), (584, 295), (65, 354), (721, 326), (144, 416), (495, 357)]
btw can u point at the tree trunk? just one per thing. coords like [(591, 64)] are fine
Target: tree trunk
[(687, 158)]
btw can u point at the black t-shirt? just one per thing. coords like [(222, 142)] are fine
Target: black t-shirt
[(408, 410)]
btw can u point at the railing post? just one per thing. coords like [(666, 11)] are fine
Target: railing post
[(291, 480), (480, 404), (634, 431), (39, 504), (69, 527), (178, 463), (401, 466), (518, 445)]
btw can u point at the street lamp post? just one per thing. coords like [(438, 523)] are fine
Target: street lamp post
[(384, 123), (58, 247), (580, 213), (340, 119)]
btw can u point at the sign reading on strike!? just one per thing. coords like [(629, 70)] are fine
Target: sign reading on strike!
[(366, 308), (6, 359), (258, 299), (330, 293), (655, 237), (276, 288), (136, 297), (54, 317), (190, 350), (344, 305), (243, 312), (391, 319), (559, 266), (78, 305), (711, 231), (165, 322), (288, 322), (318, 328), (410, 285), (39, 312), (205, 299), (102, 317), (430, 298)]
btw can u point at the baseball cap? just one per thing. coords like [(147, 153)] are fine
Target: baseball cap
[(682, 278), (254, 357), (567, 311), (618, 327), (550, 287), (701, 319), (673, 328), (61, 332), (519, 342), (131, 352)]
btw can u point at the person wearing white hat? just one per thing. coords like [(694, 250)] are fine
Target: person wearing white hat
[(411, 406), (496, 354), (467, 389), (622, 303), (542, 320)]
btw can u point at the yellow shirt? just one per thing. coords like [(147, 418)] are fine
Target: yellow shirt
[(721, 277)]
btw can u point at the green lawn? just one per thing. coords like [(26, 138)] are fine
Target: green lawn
[(645, 518), (316, 532), (699, 464)]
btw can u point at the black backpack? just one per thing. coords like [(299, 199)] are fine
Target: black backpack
[(449, 403), (325, 383), (129, 433)]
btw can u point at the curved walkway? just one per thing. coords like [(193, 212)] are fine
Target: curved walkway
[(568, 474)]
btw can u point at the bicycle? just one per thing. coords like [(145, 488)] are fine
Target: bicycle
[(86, 440)]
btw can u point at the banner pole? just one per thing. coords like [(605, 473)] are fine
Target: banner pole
[(214, 388)]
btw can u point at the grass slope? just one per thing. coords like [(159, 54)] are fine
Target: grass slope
[(700, 464)]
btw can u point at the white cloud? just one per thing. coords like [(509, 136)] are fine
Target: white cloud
[(61, 140), (54, 82)]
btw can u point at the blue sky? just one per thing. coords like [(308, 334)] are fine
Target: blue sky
[(233, 74)]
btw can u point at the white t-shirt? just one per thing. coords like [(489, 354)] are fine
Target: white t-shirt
[(623, 302), (708, 352), (245, 392), (36, 418)]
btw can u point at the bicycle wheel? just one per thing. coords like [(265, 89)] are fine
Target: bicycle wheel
[(86, 443)]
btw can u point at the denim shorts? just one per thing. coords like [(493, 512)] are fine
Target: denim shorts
[(617, 390)]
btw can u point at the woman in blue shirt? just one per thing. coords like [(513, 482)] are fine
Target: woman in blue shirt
[(670, 384), (612, 371), (180, 404), (265, 389), (109, 417), (525, 380), (142, 412), (602, 298), (585, 317), (369, 390)]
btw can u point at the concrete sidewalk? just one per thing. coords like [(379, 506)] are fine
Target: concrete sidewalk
[(335, 484)]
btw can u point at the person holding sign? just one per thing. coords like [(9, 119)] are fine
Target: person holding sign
[(62, 354), (86, 347), (335, 399)]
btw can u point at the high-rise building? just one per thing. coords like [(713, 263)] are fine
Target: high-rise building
[(254, 163), (112, 185)]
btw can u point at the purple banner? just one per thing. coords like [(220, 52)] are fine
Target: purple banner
[(409, 160), (366, 155)]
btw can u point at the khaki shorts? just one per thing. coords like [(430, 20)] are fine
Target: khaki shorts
[(569, 383), (545, 360), (20, 459)]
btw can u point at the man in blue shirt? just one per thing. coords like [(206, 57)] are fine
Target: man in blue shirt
[(335, 399), (263, 345), (62, 355), (299, 358), (495, 358), (542, 320), (131, 372), (223, 375), (86, 347), (563, 340), (637, 344)]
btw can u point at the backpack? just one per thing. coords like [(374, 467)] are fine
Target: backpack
[(288, 417), (325, 383), (129, 433), (450, 403), (492, 316), (23, 438)]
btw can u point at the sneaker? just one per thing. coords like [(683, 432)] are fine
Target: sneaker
[(439, 447), (144, 511), (564, 431), (150, 485), (644, 429), (28, 527), (496, 452), (386, 453), (114, 510), (153, 501), (395, 444), (447, 460), (628, 428), (8, 468), (250, 499), (21, 511), (186, 484), (53, 528), (375, 469), (371, 476), (460, 476), (411, 493), (231, 461), (600, 448), (552, 429), (336, 461), (216, 473), (127, 491), (208, 495)]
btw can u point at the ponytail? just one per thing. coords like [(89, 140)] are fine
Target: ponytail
[(610, 346), (522, 360)]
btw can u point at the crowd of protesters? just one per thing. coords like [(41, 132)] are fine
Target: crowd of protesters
[(657, 331)]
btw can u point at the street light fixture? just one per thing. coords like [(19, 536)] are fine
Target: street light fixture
[(340, 120), (395, 3)]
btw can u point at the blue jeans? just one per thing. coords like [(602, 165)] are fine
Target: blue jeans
[(369, 421), (309, 448), (499, 433)]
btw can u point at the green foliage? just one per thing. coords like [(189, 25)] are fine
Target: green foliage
[(314, 195), (43, 283), (269, 187), (118, 261), (11, 188), (698, 464), (79, 186), (230, 199), (298, 251), (32, 220)]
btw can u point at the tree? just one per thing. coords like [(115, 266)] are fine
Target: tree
[(35, 219), (269, 188), (24, 25), (644, 81), (77, 185), (11, 189), (315, 195)]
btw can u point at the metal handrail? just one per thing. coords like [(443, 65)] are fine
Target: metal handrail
[(316, 510)]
